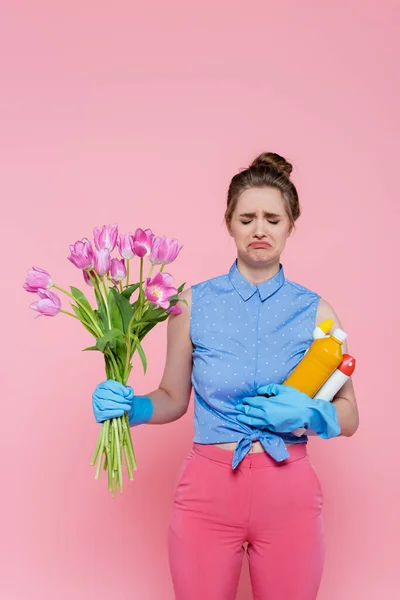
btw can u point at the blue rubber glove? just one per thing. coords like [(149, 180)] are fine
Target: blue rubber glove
[(287, 409), (111, 399)]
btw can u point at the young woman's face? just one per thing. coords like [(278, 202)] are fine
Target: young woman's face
[(260, 225)]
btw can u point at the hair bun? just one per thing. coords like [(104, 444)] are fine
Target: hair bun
[(277, 162)]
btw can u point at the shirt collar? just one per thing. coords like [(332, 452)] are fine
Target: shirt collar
[(246, 289)]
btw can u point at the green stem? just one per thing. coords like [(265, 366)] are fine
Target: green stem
[(136, 315), (127, 272), (116, 373), (97, 279), (82, 306), (141, 279), (118, 454), (70, 314), (103, 431), (106, 302)]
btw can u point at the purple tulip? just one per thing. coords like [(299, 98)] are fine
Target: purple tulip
[(174, 310), (118, 269), (142, 242), (125, 246), (87, 278), (102, 261), (49, 304), (37, 278), (82, 255), (106, 237), (159, 289), (164, 250)]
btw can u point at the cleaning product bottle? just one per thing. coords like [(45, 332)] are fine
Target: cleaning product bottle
[(324, 356), (323, 329), (337, 379), (333, 384)]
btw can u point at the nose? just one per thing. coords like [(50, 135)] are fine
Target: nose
[(259, 229)]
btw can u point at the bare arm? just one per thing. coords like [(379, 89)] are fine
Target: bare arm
[(345, 399), (171, 399)]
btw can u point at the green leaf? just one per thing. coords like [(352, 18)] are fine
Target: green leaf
[(141, 354), (81, 298), (124, 308), (115, 313), (180, 288), (91, 348), (144, 331), (99, 320), (153, 313), (102, 313), (109, 338), (127, 293), (84, 319)]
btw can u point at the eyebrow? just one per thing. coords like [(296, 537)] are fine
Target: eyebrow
[(269, 215)]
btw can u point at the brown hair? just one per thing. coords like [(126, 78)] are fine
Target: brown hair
[(267, 170)]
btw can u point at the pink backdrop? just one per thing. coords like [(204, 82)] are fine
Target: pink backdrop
[(140, 114)]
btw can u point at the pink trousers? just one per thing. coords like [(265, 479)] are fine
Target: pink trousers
[(270, 510)]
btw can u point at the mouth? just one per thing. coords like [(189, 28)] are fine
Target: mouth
[(260, 245)]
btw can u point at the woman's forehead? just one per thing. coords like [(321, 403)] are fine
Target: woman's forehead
[(260, 200)]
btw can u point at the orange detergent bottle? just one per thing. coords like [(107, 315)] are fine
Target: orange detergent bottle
[(323, 357)]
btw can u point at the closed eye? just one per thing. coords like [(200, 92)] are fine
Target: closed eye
[(272, 222)]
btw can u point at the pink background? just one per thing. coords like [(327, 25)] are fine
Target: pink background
[(141, 114)]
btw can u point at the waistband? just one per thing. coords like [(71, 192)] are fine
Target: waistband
[(251, 459)]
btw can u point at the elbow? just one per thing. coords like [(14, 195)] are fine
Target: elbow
[(178, 401), (350, 429)]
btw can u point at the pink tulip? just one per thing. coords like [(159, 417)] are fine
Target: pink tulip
[(49, 304), (102, 261), (82, 254), (106, 237), (174, 310), (164, 250), (142, 242), (118, 269), (37, 278), (87, 278), (159, 289), (125, 246)]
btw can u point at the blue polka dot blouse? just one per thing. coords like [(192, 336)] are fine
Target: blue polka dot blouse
[(244, 336)]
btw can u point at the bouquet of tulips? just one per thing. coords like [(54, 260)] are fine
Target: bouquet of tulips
[(124, 314)]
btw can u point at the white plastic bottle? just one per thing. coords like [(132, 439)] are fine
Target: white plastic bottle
[(333, 384), (337, 379)]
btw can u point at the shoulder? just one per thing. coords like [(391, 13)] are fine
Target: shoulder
[(296, 288), (212, 285), (326, 311), (302, 295), (197, 290), (323, 308)]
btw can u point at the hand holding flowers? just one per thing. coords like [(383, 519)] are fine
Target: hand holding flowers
[(125, 313)]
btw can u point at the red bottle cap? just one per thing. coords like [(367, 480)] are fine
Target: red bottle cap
[(347, 365)]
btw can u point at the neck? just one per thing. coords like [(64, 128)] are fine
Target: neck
[(258, 273)]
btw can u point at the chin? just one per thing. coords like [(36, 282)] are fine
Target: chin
[(258, 258)]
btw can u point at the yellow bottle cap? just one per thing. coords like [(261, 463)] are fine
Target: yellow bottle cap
[(326, 326)]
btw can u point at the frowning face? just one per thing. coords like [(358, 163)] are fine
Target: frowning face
[(260, 226)]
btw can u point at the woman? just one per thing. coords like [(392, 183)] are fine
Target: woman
[(248, 483)]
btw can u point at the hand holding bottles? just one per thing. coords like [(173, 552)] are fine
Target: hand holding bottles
[(287, 409)]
